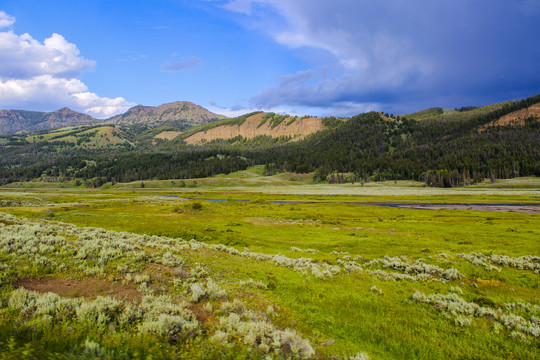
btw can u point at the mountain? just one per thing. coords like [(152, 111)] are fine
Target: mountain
[(451, 148), (180, 113), (22, 121), (250, 126)]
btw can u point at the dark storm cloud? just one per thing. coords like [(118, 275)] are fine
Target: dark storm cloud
[(403, 54)]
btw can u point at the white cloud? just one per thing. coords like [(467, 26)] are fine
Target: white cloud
[(242, 108), (6, 20), (240, 6), (48, 92), (231, 112), (43, 76), (23, 57), (101, 106)]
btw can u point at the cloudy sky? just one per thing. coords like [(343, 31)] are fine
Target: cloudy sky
[(316, 57)]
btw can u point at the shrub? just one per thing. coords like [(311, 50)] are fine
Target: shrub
[(94, 350), (208, 290), (463, 311), (104, 310), (262, 336), (167, 325), (196, 205)]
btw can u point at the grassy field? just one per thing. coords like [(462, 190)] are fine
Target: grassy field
[(95, 137), (275, 270)]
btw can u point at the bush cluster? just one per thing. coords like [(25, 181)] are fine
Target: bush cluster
[(417, 270), (95, 251), (463, 312), (528, 262)]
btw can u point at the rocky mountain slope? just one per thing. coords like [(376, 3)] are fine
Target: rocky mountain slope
[(180, 114), (22, 121), (176, 113)]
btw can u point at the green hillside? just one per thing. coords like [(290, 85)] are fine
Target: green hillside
[(99, 137), (449, 149)]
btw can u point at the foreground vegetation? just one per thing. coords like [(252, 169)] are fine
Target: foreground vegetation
[(162, 273)]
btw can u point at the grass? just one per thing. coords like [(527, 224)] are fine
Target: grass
[(49, 136), (97, 136), (248, 183), (340, 315)]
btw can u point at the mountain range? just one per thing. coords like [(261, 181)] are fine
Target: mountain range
[(443, 147), (23, 121), (181, 114)]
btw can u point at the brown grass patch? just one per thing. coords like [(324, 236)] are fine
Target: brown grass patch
[(161, 272), (88, 288), (516, 117), (167, 135), (7, 222), (252, 127), (203, 316)]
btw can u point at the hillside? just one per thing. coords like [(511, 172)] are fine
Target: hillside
[(469, 112), (83, 137), (254, 125), (517, 117), (22, 121), (180, 113), (443, 150)]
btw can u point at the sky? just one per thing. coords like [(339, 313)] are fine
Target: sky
[(300, 57)]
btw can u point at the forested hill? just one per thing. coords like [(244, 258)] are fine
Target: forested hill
[(447, 149)]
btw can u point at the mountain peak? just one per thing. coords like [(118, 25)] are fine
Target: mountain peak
[(21, 121), (65, 110), (178, 112)]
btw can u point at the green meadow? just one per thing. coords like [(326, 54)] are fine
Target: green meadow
[(247, 266)]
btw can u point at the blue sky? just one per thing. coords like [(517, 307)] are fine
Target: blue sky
[(316, 57)]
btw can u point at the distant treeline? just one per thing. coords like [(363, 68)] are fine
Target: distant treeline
[(444, 152)]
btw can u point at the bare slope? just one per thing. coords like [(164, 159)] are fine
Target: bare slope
[(23, 121), (181, 112), (167, 135), (261, 124), (517, 117)]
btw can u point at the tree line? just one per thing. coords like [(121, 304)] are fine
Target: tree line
[(444, 152)]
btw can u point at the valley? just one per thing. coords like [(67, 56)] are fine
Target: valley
[(271, 236), (269, 180), (291, 271)]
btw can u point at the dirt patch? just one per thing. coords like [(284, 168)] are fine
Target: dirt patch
[(161, 272), (203, 316), (516, 117), (167, 135), (7, 222), (87, 288)]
